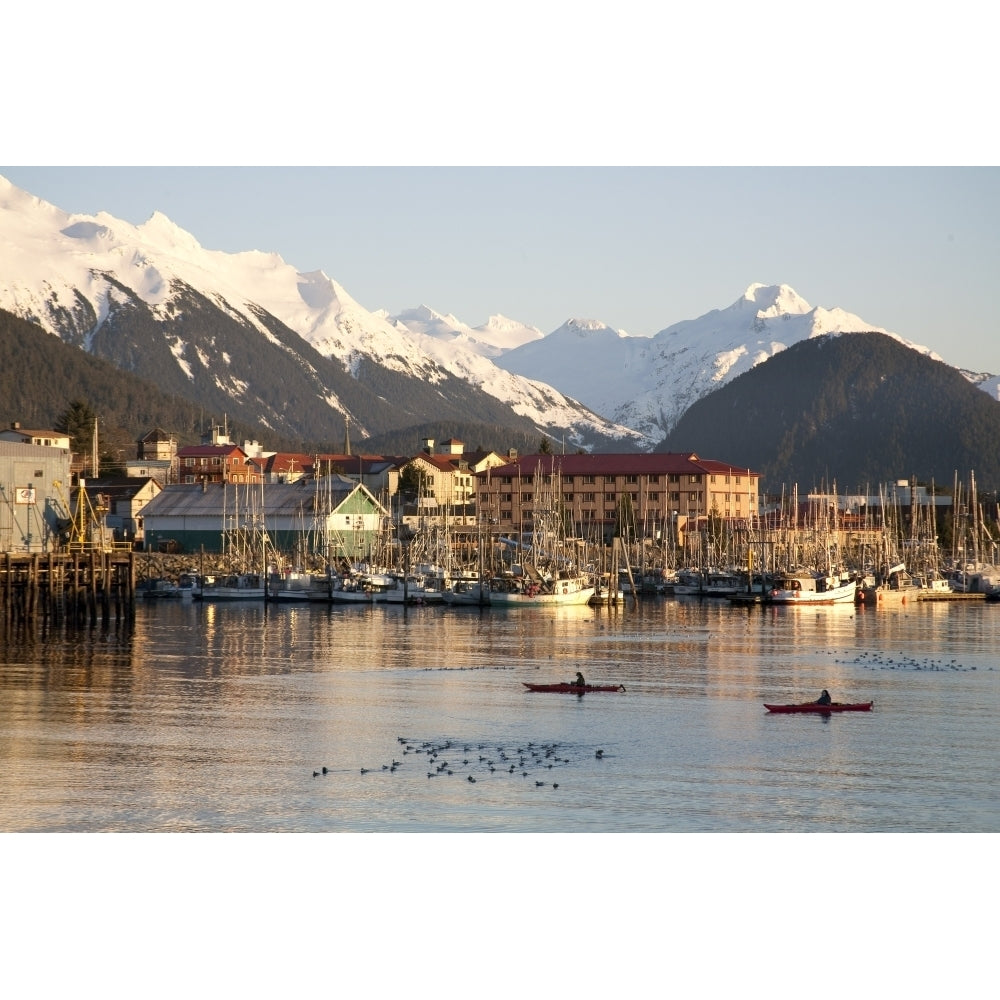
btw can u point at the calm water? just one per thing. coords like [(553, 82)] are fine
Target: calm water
[(201, 717)]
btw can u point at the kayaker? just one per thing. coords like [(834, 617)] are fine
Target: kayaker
[(824, 698), (579, 682)]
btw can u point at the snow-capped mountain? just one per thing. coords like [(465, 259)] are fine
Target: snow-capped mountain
[(297, 353), (87, 278), (648, 382), (495, 337)]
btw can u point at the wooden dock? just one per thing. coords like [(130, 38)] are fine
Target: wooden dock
[(84, 584)]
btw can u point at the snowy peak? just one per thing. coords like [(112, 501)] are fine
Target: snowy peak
[(497, 335), (774, 300)]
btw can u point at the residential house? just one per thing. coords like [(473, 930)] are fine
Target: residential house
[(156, 457), (222, 462), (42, 438), (448, 495), (119, 502)]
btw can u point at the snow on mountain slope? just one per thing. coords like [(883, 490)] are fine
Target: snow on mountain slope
[(648, 382), (497, 335), (48, 258)]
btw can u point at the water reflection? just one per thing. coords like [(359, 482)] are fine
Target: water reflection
[(214, 717)]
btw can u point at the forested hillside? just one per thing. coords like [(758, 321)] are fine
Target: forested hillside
[(855, 409)]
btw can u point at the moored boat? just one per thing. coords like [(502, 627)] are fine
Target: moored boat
[(812, 706), (235, 587), (809, 588)]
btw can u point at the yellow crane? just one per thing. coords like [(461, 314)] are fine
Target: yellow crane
[(83, 519)]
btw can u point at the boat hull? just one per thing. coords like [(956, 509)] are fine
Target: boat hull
[(811, 706), (567, 688)]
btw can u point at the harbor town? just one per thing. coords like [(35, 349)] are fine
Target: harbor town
[(220, 520)]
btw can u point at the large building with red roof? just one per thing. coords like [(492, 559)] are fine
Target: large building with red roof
[(589, 491)]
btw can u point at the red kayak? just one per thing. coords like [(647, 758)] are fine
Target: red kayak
[(573, 688), (835, 706)]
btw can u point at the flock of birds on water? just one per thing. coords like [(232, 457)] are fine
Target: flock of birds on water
[(477, 761), (879, 660)]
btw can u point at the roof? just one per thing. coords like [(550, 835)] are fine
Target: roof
[(26, 432), (279, 499), (157, 434), (642, 464), (443, 463), (118, 487), (367, 465), (194, 450)]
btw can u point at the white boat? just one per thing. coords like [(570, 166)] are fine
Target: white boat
[(520, 592), (291, 585), (689, 583), (236, 587), (811, 588), (896, 586), (355, 588), (412, 589), (721, 584), (465, 592)]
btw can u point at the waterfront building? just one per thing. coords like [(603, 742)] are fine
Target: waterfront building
[(330, 517), (662, 492), (34, 482)]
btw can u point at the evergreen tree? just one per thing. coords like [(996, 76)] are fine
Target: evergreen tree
[(77, 421)]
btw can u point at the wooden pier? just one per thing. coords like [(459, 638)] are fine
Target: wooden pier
[(85, 584)]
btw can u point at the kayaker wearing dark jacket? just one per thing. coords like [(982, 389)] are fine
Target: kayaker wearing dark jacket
[(824, 698), (579, 682)]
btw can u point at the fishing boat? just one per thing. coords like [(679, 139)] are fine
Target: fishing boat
[(812, 706), (571, 688), (158, 588), (236, 587), (519, 592), (291, 585), (464, 593), (811, 588), (409, 589)]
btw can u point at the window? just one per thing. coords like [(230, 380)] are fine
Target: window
[(694, 479), (590, 480), (674, 477), (588, 497), (568, 497), (527, 497), (653, 478), (653, 498), (189, 463), (216, 460)]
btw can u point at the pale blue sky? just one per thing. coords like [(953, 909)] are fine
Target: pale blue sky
[(912, 250)]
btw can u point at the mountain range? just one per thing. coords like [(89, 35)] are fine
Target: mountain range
[(291, 354)]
